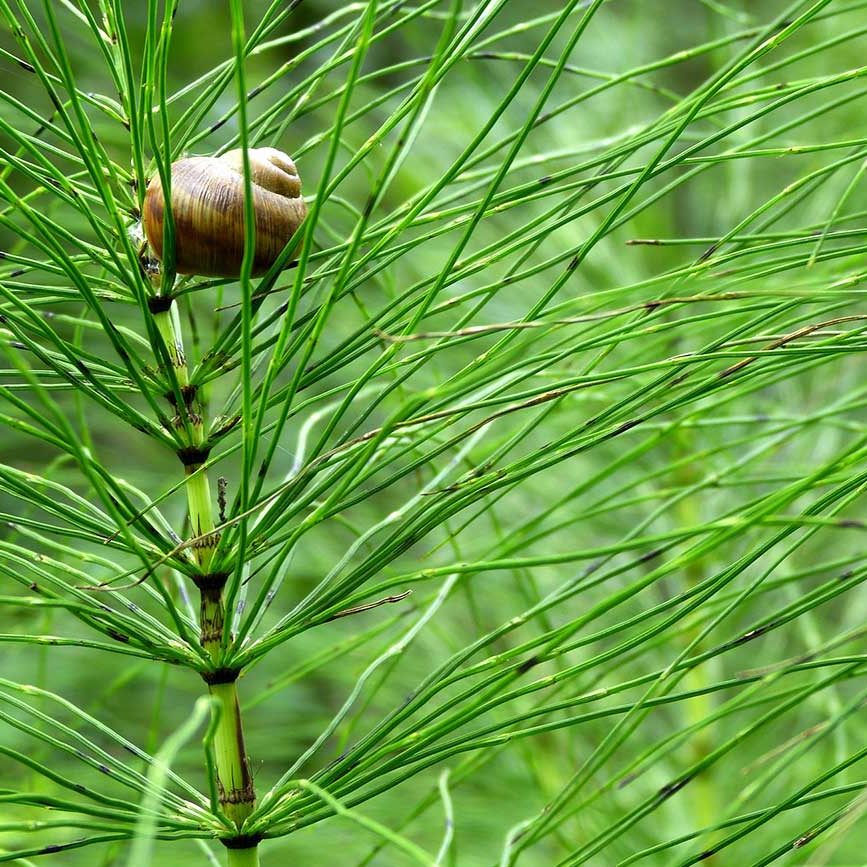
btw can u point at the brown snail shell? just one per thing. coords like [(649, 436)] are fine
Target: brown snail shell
[(208, 209)]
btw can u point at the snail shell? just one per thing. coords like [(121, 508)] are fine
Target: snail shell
[(208, 209)]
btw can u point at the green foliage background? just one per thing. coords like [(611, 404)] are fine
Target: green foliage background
[(674, 440)]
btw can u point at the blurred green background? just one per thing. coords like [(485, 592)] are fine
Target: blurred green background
[(145, 701)]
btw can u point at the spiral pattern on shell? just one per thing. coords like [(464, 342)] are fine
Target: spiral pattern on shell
[(208, 210)]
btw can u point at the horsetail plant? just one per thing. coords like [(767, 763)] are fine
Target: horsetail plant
[(494, 499)]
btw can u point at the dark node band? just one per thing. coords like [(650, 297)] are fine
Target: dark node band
[(192, 456), (220, 675), (211, 581), (160, 303), (245, 841), (189, 392)]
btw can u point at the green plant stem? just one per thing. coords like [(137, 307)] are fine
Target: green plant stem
[(243, 857), (169, 326), (231, 755), (234, 779), (199, 500)]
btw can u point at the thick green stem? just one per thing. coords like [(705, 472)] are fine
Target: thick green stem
[(201, 515), (234, 780), (243, 857), (169, 326)]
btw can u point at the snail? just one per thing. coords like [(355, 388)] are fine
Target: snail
[(208, 209)]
